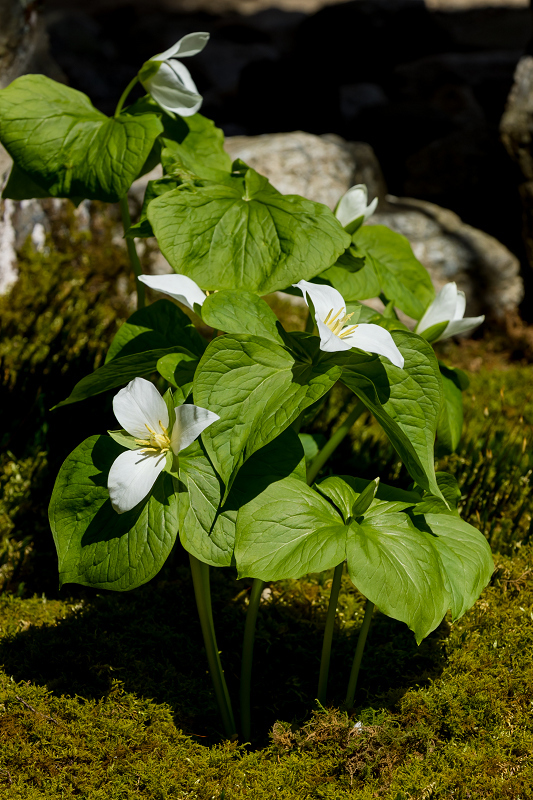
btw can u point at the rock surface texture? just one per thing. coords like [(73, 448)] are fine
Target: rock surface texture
[(516, 129), (451, 250)]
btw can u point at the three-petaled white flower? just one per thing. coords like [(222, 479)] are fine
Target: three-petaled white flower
[(335, 335), (448, 306), (180, 287), (169, 81), (352, 209), (143, 413)]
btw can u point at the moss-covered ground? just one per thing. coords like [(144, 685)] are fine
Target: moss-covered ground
[(107, 695)]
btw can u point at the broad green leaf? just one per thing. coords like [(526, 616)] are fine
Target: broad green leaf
[(158, 326), (120, 371), (178, 369), (258, 389), (450, 426), (241, 312), (450, 492), (201, 151), (287, 531), (398, 568), (384, 492), (199, 501), (466, 557), (68, 147), (406, 402), (95, 545), (312, 443), (341, 495), (142, 228), (244, 234), (20, 186), (390, 267)]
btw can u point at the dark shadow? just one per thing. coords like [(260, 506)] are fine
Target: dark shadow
[(150, 641)]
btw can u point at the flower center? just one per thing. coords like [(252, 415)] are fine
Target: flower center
[(156, 440), (336, 323)]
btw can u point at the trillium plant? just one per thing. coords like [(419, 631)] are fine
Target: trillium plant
[(215, 450)]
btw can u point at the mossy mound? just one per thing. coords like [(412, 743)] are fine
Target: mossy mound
[(95, 703)]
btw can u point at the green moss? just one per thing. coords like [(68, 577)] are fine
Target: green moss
[(90, 701)]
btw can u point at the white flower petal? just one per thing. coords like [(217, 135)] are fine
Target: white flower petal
[(352, 205), (139, 405), (190, 422), (461, 306), (329, 341), (173, 89), (442, 309), (371, 208), (180, 287), (375, 339), (131, 477), (325, 298), (457, 326), (188, 45)]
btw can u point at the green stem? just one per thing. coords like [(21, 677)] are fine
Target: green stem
[(124, 95), (202, 593), (328, 634), (320, 459), (247, 658), (132, 252), (363, 633)]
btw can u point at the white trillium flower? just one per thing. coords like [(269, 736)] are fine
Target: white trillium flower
[(352, 209), (335, 335), (169, 81), (180, 287), (448, 306), (143, 413)]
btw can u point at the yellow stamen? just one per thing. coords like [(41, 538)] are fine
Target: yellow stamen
[(337, 322), (156, 441)]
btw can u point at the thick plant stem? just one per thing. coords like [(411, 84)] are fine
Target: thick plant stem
[(328, 634), (124, 95), (247, 658), (320, 459), (363, 633), (200, 578), (132, 252)]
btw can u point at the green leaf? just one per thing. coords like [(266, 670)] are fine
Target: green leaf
[(390, 267), (199, 501), (287, 531), (20, 186), (142, 228), (341, 495), (384, 492), (398, 568), (95, 545), (312, 443), (178, 369), (243, 234), (68, 147), (120, 371), (466, 557), (258, 389), (158, 326), (124, 439), (450, 426), (451, 493), (201, 151), (241, 312), (406, 402)]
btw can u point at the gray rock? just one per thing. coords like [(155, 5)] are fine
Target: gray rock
[(451, 250)]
